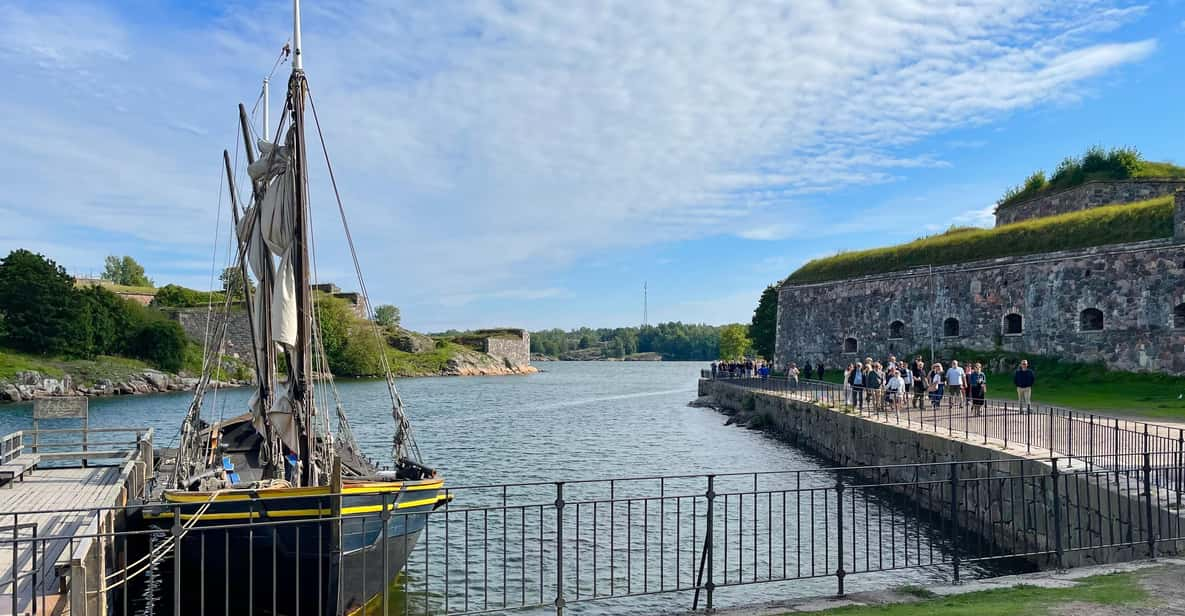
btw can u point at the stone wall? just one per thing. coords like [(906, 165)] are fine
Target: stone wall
[(1088, 195), (1008, 496), (1138, 290), (515, 352), (238, 330)]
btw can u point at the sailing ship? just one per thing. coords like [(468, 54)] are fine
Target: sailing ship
[(277, 511)]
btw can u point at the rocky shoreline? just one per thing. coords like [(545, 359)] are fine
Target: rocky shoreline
[(30, 384)]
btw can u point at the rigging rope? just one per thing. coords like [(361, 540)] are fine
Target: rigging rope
[(404, 427)]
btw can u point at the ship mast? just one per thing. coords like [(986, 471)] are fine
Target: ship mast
[(301, 363)]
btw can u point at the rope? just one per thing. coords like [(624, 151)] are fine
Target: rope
[(404, 428), (156, 554)]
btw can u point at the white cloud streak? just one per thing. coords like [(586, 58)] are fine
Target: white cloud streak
[(481, 145)]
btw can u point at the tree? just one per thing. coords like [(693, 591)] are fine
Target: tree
[(387, 315), (125, 271), (734, 342), (39, 306), (232, 282), (764, 326)]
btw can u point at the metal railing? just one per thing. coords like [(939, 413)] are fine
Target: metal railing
[(549, 545), (1039, 429)]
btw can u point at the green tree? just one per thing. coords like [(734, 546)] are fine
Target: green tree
[(38, 304), (125, 271), (351, 348), (763, 328), (734, 342), (232, 283), (387, 315)]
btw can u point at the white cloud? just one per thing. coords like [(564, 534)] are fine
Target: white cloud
[(481, 144)]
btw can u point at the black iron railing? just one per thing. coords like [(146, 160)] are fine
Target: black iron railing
[(549, 545), (1037, 429)]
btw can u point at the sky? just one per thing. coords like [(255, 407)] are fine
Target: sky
[(534, 163)]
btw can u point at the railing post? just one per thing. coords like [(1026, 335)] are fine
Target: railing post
[(1057, 515), (1180, 463), (954, 518), (1049, 439), (1149, 531), (839, 572), (385, 520), (176, 534), (710, 541), (559, 548)]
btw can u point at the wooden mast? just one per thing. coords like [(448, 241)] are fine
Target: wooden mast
[(302, 393)]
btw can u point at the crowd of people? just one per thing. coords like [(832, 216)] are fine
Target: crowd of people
[(897, 384), (740, 369)]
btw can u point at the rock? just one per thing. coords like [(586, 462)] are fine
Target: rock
[(157, 380), (410, 342), (10, 393)]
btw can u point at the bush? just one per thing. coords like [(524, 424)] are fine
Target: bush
[(351, 348), (1094, 227), (160, 342), (176, 296), (1095, 164)]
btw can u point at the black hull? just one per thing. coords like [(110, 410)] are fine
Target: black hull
[(289, 561)]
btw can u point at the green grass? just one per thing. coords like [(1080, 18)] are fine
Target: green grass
[(118, 288), (1113, 224), (420, 364), (1093, 165), (1111, 590), (84, 371)]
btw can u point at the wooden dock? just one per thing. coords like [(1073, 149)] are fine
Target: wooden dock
[(53, 555)]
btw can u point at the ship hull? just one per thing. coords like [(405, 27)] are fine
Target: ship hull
[(291, 556)]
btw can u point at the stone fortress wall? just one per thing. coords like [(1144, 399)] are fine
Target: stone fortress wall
[(1123, 305), (1088, 195), (238, 330), (512, 351)]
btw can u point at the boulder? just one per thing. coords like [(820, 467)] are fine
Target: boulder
[(409, 341)]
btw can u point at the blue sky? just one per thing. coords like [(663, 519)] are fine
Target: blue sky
[(532, 163)]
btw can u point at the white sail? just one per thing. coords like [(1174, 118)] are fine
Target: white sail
[(271, 236)]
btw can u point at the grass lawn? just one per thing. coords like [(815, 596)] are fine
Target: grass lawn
[(85, 371), (1112, 590), (420, 364)]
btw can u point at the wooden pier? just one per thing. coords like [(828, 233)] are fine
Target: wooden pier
[(53, 557)]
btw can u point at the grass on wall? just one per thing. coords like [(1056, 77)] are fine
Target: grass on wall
[(1112, 224)]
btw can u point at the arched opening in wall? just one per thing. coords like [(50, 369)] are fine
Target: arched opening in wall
[(1091, 320), (896, 330), (1014, 324), (849, 345), (1179, 316), (950, 328)]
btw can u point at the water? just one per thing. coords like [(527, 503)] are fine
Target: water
[(573, 420)]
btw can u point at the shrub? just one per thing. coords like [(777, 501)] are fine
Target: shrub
[(161, 342), (1094, 227), (351, 348), (1094, 164), (176, 296)]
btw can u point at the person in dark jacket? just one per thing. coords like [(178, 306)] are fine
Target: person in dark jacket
[(1024, 379), (808, 372), (819, 371)]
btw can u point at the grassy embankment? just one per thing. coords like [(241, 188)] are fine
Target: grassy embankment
[(1120, 589), (108, 367), (431, 362), (1113, 224), (1087, 387)]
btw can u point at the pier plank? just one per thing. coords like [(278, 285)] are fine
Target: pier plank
[(38, 500)]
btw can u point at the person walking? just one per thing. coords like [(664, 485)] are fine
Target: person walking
[(956, 379), (847, 385), (920, 383), (977, 383), (1024, 379), (857, 381), (874, 381), (792, 374), (937, 378), (819, 371), (808, 371)]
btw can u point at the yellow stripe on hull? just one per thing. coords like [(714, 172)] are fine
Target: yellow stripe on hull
[(245, 494)]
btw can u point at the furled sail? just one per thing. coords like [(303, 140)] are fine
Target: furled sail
[(270, 237)]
